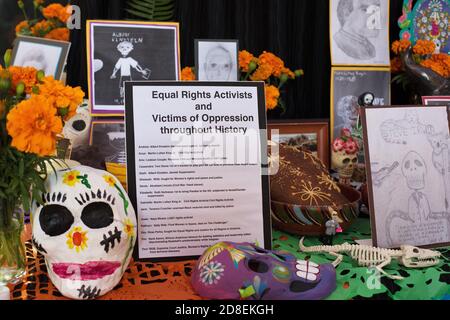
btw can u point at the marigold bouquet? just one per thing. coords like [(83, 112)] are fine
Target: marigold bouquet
[(424, 54), (267, 67), (33, 109), (54, 24)]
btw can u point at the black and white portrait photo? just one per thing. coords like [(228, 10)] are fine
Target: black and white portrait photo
[(359, 32), (348, 84), (109, 138), (43, 54), (217, 60), (128, 51)]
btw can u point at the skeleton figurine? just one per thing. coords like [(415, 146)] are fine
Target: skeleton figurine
[(332, 227), (366, 99), (414, 170), (367, 256)]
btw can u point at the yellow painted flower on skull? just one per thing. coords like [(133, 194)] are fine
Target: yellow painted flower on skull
[(77, 239), (110, 180), (71, 178)]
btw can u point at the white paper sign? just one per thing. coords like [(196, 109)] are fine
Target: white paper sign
[(195, 166), (408, 151)]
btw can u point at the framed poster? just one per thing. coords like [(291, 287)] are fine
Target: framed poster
[(120, 51), (407, 158), (217, 60), (196, 166), (359, 32), (436, 101), (42, 54), (347, 85), (310, 135)]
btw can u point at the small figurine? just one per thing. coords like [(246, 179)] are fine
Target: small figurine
[(366, 99), (332, 227)]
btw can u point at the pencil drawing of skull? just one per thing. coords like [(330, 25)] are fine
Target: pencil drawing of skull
[(347, 110), (125, 63), (414, 170), (360, 20)]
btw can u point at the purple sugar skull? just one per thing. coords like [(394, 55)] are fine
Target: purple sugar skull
[(234, 271)]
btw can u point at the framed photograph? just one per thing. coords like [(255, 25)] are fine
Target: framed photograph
[(436, 101), (312, 135), (120, 51), (42, 54), (347, 85), (359, 32), (408, 168), (217, 60), (109, 136)]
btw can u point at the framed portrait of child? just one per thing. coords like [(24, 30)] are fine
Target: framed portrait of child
[(120, 51)]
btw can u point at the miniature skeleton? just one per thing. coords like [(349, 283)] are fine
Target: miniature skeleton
[(367, 256)]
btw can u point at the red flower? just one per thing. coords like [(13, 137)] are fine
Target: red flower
[(338, 144), (351, 146), (346, 132)]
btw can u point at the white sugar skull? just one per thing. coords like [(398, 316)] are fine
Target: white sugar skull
[(77, 128), (414, 170), (86, 231), (344, 163)]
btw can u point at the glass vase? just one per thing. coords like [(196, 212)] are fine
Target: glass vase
[(12, 247)]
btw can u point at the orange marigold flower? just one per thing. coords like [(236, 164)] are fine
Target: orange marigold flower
[(439, 63), (400, 46), (27, 75), (245, 58), (272, 96), (187, 74), (61, 96), (424, 47), (263, 73), (41, 28), (21, 26), (33, 126), (288, 72), (396, 65), (276, 63), (62, 34), (57, 11)]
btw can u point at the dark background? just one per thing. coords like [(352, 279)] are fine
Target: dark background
[(296, 30)]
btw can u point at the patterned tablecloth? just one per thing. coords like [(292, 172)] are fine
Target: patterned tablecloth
[(171, 281)]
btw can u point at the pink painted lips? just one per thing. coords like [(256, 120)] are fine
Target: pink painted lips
[(89, 271)]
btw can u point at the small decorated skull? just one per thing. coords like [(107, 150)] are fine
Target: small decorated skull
[(237, 271), (77, 128), (86, 230), (344, 163)]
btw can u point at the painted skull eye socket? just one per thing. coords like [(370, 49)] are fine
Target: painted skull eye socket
[(97, 215), (416, 250), (79, 125), (55, 220), (258, 266)]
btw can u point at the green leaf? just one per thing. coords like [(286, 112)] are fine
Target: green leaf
[(151, 10)]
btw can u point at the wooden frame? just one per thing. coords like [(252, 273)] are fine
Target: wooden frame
[(63, 46), (301, 127), (376, 176)]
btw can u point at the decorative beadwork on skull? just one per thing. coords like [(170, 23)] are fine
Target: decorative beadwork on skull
[(244, 271), (86, 230)]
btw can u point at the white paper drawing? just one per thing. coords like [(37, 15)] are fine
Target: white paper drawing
[(409, 166), (359, 32)]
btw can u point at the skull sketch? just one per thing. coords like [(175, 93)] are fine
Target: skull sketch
[(414, 170)]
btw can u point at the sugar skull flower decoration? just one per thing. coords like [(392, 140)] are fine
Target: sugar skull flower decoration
[(344, 156), (86, 230)]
